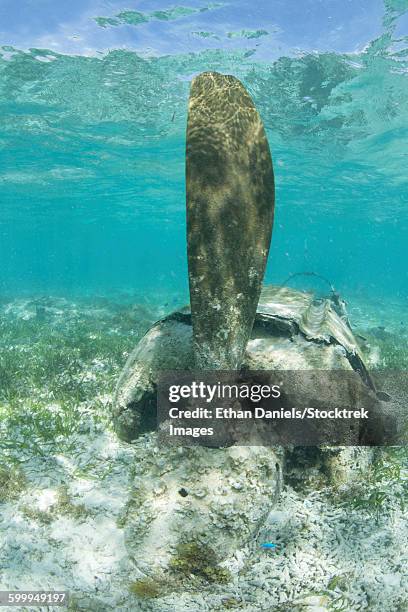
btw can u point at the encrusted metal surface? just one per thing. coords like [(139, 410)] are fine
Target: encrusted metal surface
[(315, 319), (230, 205)]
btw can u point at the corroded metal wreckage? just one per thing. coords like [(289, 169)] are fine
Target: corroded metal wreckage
[(220, 496), (292, 331), (230, 205)]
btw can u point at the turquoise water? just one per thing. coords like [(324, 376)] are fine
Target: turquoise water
[(93, 112), (92, 166)]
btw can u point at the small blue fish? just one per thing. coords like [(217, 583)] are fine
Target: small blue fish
[(268, 545)]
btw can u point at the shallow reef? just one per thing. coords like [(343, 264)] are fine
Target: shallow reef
[(74, 511)]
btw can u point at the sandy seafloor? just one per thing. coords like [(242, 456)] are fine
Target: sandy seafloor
[(64, 477)]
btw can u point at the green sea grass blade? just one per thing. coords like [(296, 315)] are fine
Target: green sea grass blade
[(230, 206)]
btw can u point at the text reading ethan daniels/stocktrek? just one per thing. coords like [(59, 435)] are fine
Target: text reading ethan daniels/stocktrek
[(218, 408)]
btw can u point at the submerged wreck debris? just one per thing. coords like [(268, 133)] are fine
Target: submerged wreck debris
[(230, 195), (158, 519), (183, 495), (230, 200)]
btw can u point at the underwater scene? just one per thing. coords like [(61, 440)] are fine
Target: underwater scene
[(107, 127)]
